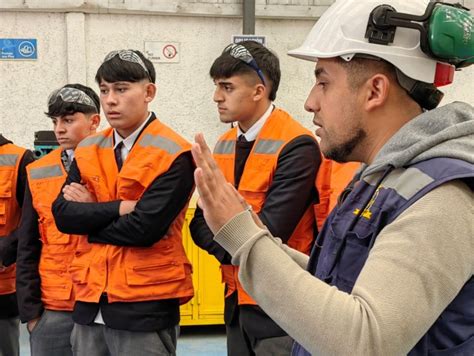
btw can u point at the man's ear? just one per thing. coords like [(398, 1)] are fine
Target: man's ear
[(95, 121), (260, 92), (150, 92), (377, 90)]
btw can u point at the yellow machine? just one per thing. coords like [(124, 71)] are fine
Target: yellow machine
[(207, 306)]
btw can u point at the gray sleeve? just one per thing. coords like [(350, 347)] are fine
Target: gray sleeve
[(425, 255)]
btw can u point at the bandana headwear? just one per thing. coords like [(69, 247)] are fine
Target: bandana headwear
[(241, 53), (129, 56), (72, 95)]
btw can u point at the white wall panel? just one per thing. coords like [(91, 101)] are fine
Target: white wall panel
[(74, 37)]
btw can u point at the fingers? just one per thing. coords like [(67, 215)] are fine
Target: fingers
[(77, 193), (79, 187), (205, 194), (201, 141), (204, 160), (201, 153), (71, 193)]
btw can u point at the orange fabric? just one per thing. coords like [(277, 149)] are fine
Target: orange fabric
[(341, 175), (10, 212), (278, 131), (45, 179), (131, 274), (331, 180)]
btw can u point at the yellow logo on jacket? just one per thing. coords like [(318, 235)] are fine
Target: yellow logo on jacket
[(367, 214)]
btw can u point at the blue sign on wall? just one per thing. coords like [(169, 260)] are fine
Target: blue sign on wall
[(18, 48)]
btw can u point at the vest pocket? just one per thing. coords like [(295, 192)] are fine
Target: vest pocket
[(54, 287), (155, 274), (352, 259), (5, 193), (255, 180), (79, 268), (79, 273)]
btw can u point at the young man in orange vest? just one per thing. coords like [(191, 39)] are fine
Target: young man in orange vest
[(44, 288), (128, 190), (272, 161), (13, 160)]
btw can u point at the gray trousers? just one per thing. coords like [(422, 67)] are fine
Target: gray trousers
[(100, 340), (9, 337), (239, 343), (51, 334)]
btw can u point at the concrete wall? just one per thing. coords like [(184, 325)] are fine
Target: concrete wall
[(74, 36)]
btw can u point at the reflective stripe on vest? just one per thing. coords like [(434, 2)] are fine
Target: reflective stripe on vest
[(277, 132), (8, 160), (46, 177), (269, 147), (46, 172), (97, 140), (406, 182), (388, 199), (225, 147), (160, 142), (132, 274)]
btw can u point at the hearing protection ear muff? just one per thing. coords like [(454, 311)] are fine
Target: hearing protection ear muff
[(446, 35), (446, 30)]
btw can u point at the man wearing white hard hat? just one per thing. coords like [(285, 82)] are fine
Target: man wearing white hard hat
[(392, 269)]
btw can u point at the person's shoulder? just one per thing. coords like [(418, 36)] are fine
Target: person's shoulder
[(52, 157), (166, 133), (97, 139), (287, 122)]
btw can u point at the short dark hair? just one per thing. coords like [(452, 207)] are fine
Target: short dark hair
[(359, 69), (61, 108), (226, 66), (118, 70)]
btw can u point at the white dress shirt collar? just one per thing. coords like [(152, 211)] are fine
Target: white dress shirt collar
[(130, 140), (253, 132)]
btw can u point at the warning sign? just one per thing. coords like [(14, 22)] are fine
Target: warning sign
[(162, 52), (169, 51)]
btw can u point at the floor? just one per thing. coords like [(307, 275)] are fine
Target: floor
[(193, 341)]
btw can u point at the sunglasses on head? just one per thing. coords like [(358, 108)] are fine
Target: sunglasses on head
[(129, 56), (72, 95), (241, 53)]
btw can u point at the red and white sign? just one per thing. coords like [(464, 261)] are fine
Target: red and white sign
[(162, 52), (170, 51)]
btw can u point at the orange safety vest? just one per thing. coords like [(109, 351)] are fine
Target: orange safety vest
[(10, 212), (279, 129), (331, 180), (131, 274), (45, 179)]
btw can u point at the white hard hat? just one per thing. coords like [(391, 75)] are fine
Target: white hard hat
[(340, 32)]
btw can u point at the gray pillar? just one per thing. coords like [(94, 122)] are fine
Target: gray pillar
[(248, 17), (76, 48)]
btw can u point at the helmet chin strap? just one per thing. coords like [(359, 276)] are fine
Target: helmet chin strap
[(425, 94)]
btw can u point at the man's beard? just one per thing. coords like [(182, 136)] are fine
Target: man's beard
[(341, 152)]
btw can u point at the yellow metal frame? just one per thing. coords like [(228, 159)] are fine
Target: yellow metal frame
[(207, 306)]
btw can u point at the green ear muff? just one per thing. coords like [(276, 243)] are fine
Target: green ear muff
[(450, 35), (446, 30)]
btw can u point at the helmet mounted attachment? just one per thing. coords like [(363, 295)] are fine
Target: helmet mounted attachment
[(446, 35)]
